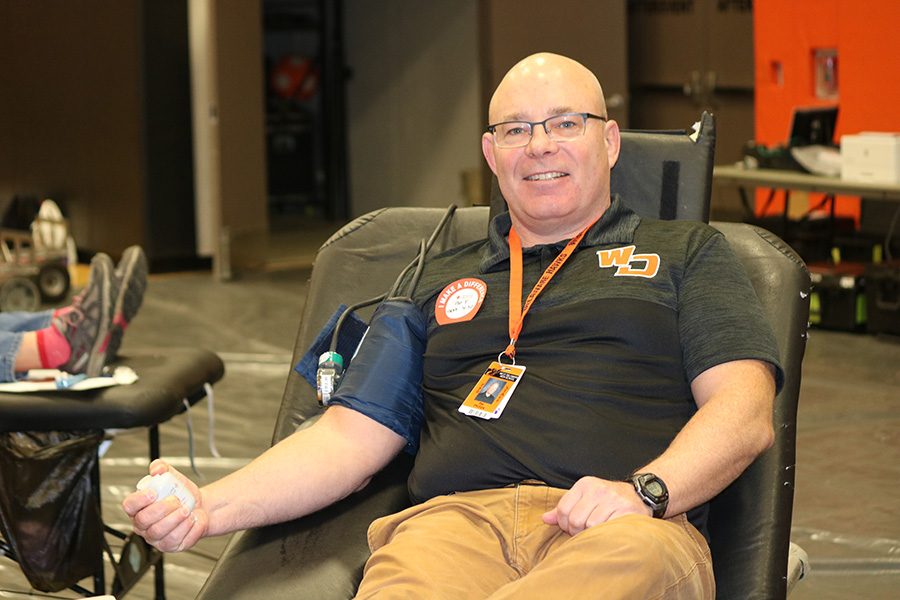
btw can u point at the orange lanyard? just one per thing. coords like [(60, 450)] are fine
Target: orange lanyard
[(516, 312)]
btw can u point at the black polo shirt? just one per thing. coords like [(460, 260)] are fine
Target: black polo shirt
[(610, 347)]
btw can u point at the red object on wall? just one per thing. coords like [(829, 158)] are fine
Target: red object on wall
[(295, 77), (865, 35)]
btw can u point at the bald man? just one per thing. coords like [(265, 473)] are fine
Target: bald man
[(640, 390)]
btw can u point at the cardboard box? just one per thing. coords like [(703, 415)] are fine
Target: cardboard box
[(871, 157)]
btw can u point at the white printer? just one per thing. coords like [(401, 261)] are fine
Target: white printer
[(871, 157)]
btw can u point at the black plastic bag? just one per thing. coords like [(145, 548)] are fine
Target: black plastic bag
[(49, 512)]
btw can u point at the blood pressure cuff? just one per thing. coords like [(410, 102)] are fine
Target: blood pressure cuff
[(384, 378)]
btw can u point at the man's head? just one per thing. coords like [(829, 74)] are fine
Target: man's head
[(553, 188)]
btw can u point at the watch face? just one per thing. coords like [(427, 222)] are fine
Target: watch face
[(653, 488), (653, 492)]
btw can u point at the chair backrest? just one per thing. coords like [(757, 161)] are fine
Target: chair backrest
[(749, 522), (358, 262)]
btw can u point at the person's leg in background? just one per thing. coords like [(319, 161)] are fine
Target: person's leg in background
[(81, 337), (19, 322), (74, 338), (14, 326)]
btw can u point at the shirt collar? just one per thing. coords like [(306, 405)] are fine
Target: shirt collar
[(616, 226)]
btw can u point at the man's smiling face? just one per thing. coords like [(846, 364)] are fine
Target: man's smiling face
[(553, 189)]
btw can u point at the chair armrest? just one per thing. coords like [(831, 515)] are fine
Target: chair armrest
[(750, 521), (318, 556)]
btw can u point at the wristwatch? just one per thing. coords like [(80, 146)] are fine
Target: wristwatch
[(653, 491)]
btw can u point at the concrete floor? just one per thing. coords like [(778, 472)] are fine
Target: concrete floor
[(847, 501), (846, 511)]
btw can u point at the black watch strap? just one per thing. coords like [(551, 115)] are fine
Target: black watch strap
[(653, 491)]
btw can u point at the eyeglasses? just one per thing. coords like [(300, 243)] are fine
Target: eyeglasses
[(561, 128)]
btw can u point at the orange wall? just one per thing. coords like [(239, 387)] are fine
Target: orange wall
[(867, 38)]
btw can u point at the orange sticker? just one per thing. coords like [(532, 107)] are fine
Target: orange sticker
[(460, 301)]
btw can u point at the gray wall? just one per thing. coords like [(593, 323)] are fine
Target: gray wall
[(413, 101)]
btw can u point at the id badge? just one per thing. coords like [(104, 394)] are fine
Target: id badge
[(489, 396)]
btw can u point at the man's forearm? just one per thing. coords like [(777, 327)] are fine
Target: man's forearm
[(731, 428), (305, 472)]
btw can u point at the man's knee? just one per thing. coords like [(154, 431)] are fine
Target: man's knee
[(420, 552), (669, 555), (632, 538)]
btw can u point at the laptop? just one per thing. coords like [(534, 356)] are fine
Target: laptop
[(813, 126)]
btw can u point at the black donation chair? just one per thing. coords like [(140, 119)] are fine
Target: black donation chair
[(322, 555)]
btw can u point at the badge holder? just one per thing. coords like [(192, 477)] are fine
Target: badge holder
[(492, 391)]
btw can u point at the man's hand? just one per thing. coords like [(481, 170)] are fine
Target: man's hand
[(592, 501), (164, 522)]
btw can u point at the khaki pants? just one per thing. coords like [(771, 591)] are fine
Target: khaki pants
[(493, 544)]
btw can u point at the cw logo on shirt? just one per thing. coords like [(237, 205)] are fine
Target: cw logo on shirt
[(629, 264)]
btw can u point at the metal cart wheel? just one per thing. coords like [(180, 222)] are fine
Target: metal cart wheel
[(19, 294), (53, 281)]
